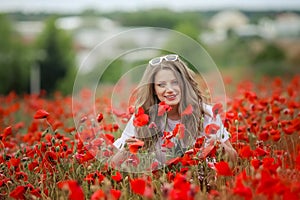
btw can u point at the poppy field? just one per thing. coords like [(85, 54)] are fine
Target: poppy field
[(45, 156)]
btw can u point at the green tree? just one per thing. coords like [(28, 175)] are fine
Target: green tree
[(271, 61), (14, 59), (189, 29), (55, 56)]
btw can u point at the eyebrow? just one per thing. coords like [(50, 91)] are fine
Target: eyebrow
[(167, 81)]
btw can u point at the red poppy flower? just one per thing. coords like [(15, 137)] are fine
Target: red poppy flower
[(173, 161), (14, 161), (117, 177), (199, 142), (246, 152), (191, 151), (276, 136), (141, 119), (211, 129), (264, 135), (289, 131), (179, 129), (138, 186), (116, 194), (168, 144), (92, 177), (18, 192), (98, 195), (110, 137), (223, 169), (213, 193), (134, 147), (162, 108), (269, 184), (51, 157), (269, 118), (255, 163), (181, 183), (251, 96), (168, 135), (21, 176), (260, 152), (6, 132), (36, 192), (41, 114), (75, 191), (188, 110), (231, 115), (241, 190)]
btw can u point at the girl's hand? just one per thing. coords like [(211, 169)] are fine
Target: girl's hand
[(231, 152), (130, 140)]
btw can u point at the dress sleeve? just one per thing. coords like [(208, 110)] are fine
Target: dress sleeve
[(222, 134), (127, 133)]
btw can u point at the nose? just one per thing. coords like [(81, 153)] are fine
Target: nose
[(169, 88)]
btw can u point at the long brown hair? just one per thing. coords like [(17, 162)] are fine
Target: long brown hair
[(190, 95)]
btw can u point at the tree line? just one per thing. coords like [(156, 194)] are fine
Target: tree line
[(52, 52)]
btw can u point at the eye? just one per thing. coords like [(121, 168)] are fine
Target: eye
[(161, 85), (174, 82)]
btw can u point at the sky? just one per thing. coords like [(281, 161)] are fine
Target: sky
[(132, 5)]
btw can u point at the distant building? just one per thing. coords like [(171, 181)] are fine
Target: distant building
[(97, 39), (29, 29), (228, 19), (284, 25), (221, 23)]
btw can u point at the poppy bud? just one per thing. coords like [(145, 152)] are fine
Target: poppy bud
[(99, 117), (240, 115), (53, 140), (18, 154), (236, 122), (26, 165), (83, 119), (45, 132)]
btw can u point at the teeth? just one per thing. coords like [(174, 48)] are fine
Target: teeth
[(171, 96)]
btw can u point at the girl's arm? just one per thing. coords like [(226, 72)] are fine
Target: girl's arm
[(222, 134), (126, 138), (229, 150)]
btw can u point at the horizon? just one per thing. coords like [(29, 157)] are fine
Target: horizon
[(69, 6)]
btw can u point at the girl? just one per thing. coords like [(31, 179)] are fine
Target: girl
[(168, 83)]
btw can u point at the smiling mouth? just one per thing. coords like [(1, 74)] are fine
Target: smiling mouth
[(171, 97)]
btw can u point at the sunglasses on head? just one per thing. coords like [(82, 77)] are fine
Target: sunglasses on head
[(158, 60)]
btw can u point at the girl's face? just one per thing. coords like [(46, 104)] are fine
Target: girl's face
[(167, 88)]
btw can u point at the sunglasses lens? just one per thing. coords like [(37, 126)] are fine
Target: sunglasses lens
[(155, 61), (171, 57)]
